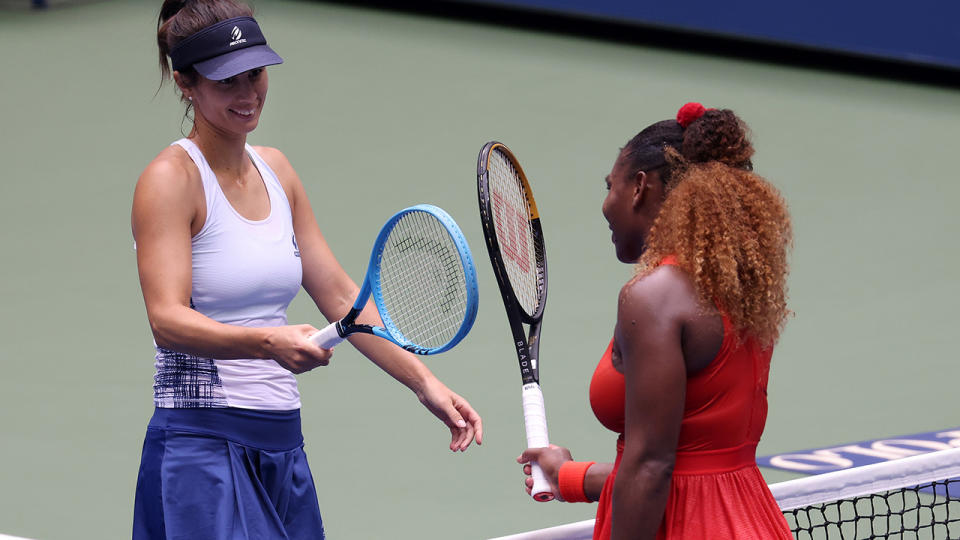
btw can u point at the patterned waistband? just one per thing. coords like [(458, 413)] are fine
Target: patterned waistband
[(265, 430)]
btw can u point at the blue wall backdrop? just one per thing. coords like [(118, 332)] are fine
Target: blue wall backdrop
[(923, 32)]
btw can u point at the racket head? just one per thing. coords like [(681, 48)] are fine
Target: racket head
[(511, 227), (423, 280)]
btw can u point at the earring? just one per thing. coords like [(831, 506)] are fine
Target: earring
[(190, 98)]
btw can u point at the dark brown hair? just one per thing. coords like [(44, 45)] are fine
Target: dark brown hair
[(180, 19)]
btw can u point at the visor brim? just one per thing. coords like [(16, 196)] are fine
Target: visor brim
[(236, 62)]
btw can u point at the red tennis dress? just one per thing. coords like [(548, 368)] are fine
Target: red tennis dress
[(717, 490)]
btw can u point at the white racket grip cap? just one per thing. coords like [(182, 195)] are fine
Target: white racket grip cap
[(327, 338), (535, 421)]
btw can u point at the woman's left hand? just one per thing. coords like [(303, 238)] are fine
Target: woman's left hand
[(464, 422)]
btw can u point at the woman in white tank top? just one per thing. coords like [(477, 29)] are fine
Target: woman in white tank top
[(225, 238)]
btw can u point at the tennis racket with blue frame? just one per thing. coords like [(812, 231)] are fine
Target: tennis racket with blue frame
[(423, 283)]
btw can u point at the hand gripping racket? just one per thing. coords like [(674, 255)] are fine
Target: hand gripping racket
[(423, 282), (511, 227)]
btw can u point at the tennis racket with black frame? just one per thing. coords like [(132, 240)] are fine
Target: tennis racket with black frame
[(423, 282), (514, 238)]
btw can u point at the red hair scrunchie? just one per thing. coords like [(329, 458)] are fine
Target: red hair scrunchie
[(690, 112)]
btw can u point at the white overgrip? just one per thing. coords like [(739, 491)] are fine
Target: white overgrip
[(327, 338), (535, 421)]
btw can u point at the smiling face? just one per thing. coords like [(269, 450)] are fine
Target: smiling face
[(630, 207), (230, 106)]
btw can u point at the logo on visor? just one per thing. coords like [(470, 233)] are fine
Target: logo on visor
[(236, 34)]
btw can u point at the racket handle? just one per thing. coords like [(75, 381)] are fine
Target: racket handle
[(327, 338), (535, 421)]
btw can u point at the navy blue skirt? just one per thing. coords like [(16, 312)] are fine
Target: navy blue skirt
[(225, 474)]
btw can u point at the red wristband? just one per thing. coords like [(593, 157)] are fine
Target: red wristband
[(572, 474)]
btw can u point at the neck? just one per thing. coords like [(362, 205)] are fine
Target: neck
[(224, 152)]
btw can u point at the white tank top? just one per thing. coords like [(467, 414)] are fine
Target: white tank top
[(245, 273)]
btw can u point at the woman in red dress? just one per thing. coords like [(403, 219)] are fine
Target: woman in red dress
[(684, 380)]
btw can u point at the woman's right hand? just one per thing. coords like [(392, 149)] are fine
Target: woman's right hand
[(550, 460), (291, 347)]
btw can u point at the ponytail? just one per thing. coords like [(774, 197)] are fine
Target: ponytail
[(168, 11)]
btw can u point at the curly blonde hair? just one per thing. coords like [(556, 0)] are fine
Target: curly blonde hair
[(728, 228)]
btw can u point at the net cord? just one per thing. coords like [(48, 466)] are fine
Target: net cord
[(875, 478)]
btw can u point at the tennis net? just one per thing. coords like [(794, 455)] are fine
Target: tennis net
[(917, 497)]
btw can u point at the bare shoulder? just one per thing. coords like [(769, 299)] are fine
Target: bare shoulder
[(171, 169), (276, 160), (170, 188), (280, 165), (270, 154), (666, 293)]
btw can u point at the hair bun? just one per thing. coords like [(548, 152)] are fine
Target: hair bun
[(690, 112)]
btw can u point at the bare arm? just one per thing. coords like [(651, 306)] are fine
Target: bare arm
[(165, 212), (648, 337), (334, 292)]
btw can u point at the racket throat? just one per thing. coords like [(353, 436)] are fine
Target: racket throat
[(528, 365), (529, 376), (347, 323)]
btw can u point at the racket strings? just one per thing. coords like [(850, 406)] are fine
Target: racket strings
[(522, 254), (422, 281), (447, 285)]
